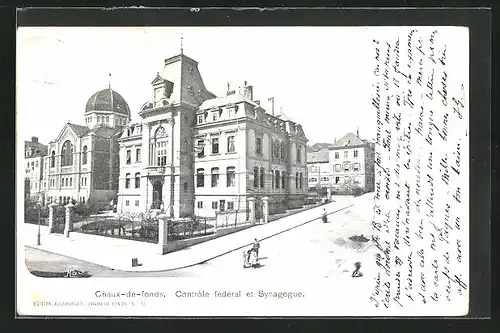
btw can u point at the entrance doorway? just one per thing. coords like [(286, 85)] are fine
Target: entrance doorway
[(157, 195)]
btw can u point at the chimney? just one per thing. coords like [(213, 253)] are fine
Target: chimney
[(34, 139), (271, 99), (248, 92), (357, 132)]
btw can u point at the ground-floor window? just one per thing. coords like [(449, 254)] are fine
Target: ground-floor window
[(214, 204), (230, 205), (137, 203), (200, 204), (126, 202), (222, 205)]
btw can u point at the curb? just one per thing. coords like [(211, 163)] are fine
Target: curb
[(200, 262)]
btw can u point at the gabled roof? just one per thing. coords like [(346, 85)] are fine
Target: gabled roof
[(348, 140), (318, 156), (79, 129)]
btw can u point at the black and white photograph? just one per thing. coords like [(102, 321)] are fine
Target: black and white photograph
[(242, 171)]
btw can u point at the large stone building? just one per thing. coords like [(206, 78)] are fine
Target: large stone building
[(352, 163), (195, 153), (34, 152), (82, 162)]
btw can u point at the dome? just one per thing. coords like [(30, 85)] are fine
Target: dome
[(101, 101)]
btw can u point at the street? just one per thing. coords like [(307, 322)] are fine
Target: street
[(315, 249)]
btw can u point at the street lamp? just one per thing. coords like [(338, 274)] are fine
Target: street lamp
[(38, 235)]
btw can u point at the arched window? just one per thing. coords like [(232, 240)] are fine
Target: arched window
[(127, 180), (53, 159), (98, 119), (137, 180), (262, 174), (107, 119), (67, 154), (158, 147), (283, 179), (200, 177), (84, 155), (231, 177), (215, 177), (277, 177)]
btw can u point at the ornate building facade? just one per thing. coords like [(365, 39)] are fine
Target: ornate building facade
[(82, 162), (195, 153)]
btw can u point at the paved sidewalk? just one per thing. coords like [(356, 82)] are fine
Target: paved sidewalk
[(118, 253)]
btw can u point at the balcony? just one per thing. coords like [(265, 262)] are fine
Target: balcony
[(153, 170)]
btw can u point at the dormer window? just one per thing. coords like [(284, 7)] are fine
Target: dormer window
[(200, 119), (215, 115)]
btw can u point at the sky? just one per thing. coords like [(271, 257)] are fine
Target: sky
[(318, 76)]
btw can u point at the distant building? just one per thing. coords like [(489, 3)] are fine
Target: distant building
[(33, 158), (319, 170), (352, 163), (195, 153), (82, 162)]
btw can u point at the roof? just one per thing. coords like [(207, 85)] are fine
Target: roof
[(42, 149), (284, 117), (104, 131), (225, 100), (318, 156), (78, 129), (348, 140), (107, 100)]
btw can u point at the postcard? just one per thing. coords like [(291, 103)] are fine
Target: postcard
[(243, 171)]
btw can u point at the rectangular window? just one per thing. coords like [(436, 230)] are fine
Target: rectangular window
[(346, 166), (201, 148), (337, 180), (282, 151), (200, 178), (355, 153), (215, 115), (337, 167), (231, 177), (200, 204), (200, 119), (230, 144), (66, 182), (215, 177), (138, 155), (298, 154), (346, 154), (255, 177), (129, 156), (137, 203), (161, 153), (356, 166), (300, 180), (230, 205), (312, 180), (36, 164), (32, 166), (185, 187), (215, 145), (71, 182), (214, 204), (336, 155), (126, 202), (222, 205), (258, 146), (324, 179)]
